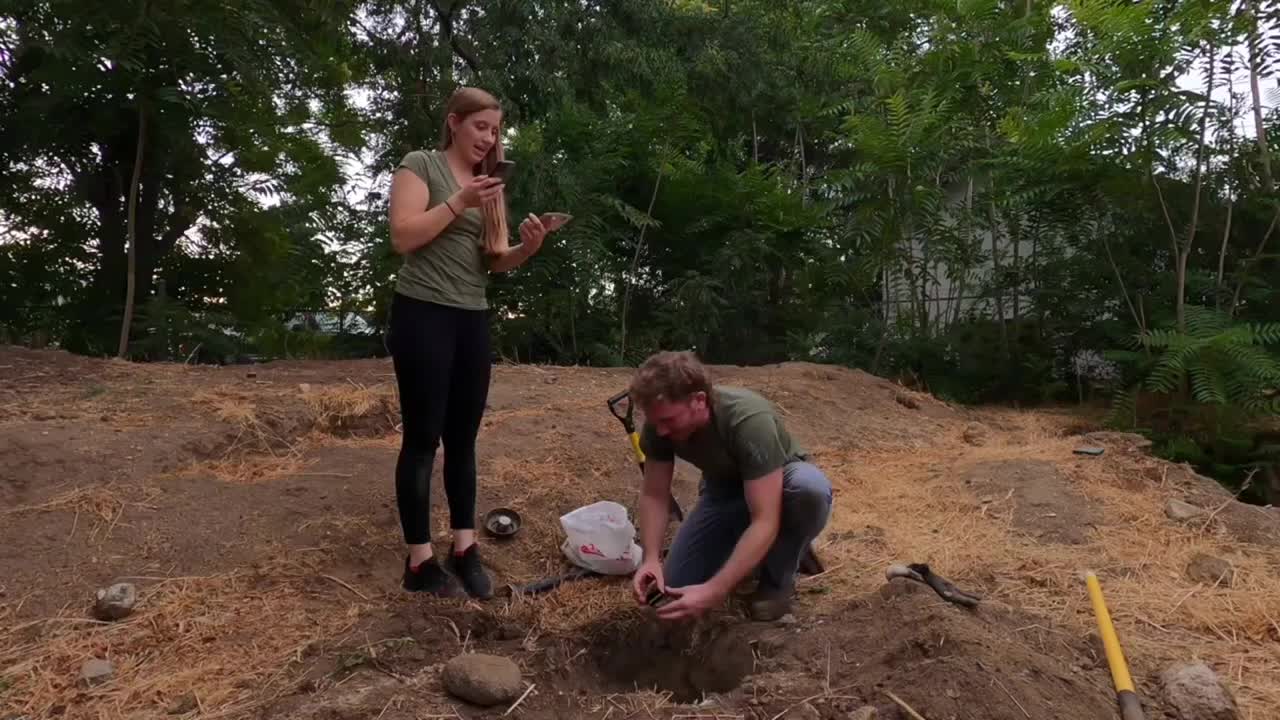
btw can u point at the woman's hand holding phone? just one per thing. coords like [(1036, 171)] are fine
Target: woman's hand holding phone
[(476, 192)]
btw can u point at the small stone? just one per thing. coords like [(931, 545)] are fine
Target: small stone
[(116, 602), (788, 619), (184, 705), (304, 387), (95, 672), (483, 680), (808, 712), (770, 645), (907, 401), (1211, 570), (1182, 511), (866, 712), (975, 434), (1195, 692)]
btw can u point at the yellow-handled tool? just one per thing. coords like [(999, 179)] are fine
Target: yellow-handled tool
[(1130, 705), (623, 409)]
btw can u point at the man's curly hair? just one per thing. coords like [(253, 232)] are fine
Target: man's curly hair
[(669, 375)]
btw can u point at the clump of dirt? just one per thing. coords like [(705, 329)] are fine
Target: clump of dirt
[(353, 411), (1044, 504)]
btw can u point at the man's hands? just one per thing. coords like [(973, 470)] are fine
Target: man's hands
[(647, 577), (691, 601), (687, 602)]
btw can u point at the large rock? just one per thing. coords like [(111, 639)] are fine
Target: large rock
[(1182, 511), (1211, 570), (116, 602), (95, 672), (1195, 692), (483, 680), (975, 434)]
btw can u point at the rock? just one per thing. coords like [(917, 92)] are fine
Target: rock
[(184, 705), (770, 645), (1130, 441), (866, 712), (1182, 511), (808, 712), (1195, 692), (1211, 570), (483, 680), (907, 401), (975, 434), (788, 619), (95, 672), (116, 602)]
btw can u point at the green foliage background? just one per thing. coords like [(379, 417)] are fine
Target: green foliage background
[(980, 197)]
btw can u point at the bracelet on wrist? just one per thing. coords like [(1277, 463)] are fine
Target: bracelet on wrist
[(450, 206)]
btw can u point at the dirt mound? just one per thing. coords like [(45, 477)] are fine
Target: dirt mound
[(942, 660), (253, 508), (1042, 501)]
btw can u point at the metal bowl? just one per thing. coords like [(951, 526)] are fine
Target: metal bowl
[(502, 522)]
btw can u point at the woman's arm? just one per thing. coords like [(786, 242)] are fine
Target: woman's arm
[(412, 227), (510, 259)]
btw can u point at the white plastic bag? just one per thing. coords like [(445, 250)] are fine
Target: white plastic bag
[(601, 539)]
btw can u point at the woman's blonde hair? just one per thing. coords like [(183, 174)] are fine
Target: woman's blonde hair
[(463, 102)]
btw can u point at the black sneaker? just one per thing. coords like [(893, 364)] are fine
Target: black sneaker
[(430, 578), (471, 572)]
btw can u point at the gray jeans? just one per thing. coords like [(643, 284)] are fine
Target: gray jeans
[(708, 535)]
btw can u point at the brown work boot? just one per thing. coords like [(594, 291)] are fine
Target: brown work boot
[(769, 604)]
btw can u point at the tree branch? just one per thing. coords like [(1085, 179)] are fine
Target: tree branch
[(131, 234), (446, 16)]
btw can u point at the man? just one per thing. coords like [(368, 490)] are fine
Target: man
[(760, 502)]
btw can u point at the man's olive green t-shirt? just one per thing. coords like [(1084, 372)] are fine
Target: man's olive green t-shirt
[(451, 269), (744, 440)]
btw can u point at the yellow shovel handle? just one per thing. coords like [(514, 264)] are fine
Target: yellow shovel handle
[(635, 447), (1130, 706)]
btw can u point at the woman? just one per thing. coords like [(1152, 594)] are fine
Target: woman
[(448, 221)]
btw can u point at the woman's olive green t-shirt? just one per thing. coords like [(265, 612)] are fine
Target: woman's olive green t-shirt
[(451, 269)]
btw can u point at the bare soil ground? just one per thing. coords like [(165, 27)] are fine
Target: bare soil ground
[(254, 510)]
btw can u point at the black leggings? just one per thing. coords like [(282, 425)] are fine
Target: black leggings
[(442, 363)]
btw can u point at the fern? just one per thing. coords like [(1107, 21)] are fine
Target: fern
[(1221, 364)]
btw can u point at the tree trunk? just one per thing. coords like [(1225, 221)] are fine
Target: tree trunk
[(1184, 250), (131, 281), (1219, 288), (995, 274), (1260, 128), (635, 262)]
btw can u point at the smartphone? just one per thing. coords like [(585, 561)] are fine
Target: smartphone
[(503, 170), (554, 220), (656, 598)]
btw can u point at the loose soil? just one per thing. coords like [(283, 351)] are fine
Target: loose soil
[(254, 510)]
